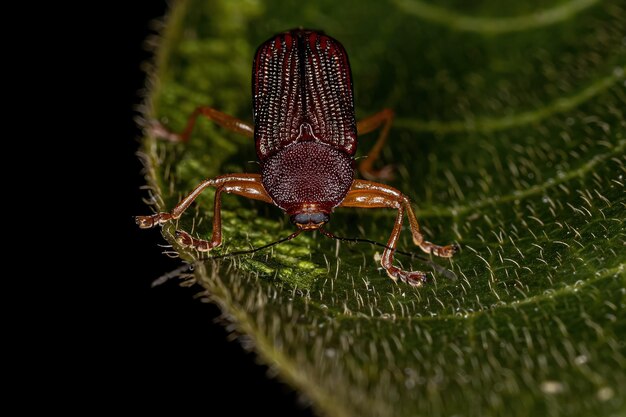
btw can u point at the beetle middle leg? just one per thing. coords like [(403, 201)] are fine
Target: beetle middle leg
[(226, 121), (383, 118), (246, 185), (368, 194)]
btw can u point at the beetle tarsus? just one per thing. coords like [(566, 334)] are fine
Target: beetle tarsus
[(441, 251), (413, 278), (185, 239), (147, 222)]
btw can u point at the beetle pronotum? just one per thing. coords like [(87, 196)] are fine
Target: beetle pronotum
[(306, 138)]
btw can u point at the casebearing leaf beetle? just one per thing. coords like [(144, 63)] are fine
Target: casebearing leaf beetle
[(306, 137)]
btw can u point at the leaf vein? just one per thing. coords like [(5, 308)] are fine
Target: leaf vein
[(491, 124), (521, 194), (493, 25)]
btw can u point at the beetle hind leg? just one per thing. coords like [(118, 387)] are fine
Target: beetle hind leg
[(382, 120), (228, 122)]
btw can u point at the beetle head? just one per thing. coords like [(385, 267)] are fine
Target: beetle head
[(310, 221), (309, 217)]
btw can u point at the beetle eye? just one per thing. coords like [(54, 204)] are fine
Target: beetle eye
[(301, 218), (319, 218), (310, 218)]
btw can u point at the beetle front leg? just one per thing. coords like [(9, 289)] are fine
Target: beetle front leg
[(367, 194), (253, 190), (226, 121), (246, 185)]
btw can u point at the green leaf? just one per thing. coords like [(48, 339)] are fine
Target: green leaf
[(510, 138)]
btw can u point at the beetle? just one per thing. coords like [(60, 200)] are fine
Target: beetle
[(306, 136)]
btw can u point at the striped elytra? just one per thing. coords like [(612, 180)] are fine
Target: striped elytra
[(298, 77)]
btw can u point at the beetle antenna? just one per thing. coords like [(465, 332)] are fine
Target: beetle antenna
[(372, 242), (245, 252), (445, 272)]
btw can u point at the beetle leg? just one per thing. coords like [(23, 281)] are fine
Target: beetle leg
[(367, 194), (383, 118), (226, 121), (246, 185)]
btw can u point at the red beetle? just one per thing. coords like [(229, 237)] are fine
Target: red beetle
[(306, 138)]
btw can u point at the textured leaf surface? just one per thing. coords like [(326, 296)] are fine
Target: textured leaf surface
[(510, 138)]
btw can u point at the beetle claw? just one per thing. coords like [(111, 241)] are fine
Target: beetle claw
[(448, 251), (145, 222), (413, 278)]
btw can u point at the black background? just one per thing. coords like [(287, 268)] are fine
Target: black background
[(169, 346)]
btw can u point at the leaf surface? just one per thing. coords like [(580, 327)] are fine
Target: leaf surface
[(510, 138)]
